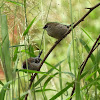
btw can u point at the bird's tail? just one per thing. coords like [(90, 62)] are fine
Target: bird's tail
[(40, 53)]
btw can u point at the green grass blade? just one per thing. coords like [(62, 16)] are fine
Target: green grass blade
[(16, 3), (88, 49), (26, 31), (30, 71), (90, 75), (62, 91), (87, 34), (77, 87), (60, 81), (15, 54), (5, 53), (48, 80), (1, 83), (3, 90), (51, 65), (68, 55), (39, 90), (44, 76)]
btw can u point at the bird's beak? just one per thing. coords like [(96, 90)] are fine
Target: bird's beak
[(45, 27)]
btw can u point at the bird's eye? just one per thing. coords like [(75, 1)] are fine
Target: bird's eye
[(45, 26)]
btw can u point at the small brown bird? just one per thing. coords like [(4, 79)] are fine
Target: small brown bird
[(56, 30), (32, 63)]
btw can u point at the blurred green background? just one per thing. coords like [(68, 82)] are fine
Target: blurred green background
[(20, 14)]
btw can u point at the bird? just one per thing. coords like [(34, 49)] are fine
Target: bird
[(56, 30), (32, 63)]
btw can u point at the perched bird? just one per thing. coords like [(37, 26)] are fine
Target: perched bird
[(32, 63), (56, 30)]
